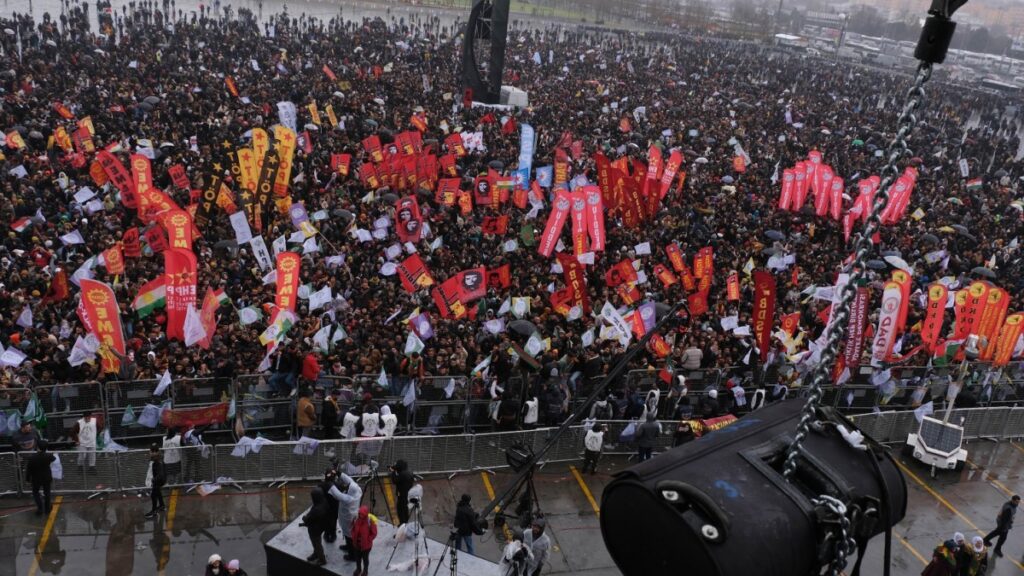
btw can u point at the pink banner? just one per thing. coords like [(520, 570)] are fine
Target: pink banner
[(579, 223), (556, 220), (788, 184), (595, 217), (836, 197)]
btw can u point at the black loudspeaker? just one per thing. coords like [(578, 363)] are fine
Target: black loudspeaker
[(483, 49), (719, 506)]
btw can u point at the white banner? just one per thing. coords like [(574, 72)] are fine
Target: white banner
[(885, 334), (260, 252), (243, 233)]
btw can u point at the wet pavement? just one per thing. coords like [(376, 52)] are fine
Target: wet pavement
[(109, 536)]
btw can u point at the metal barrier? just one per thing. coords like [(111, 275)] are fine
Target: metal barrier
[(66, 404), (10, 474)]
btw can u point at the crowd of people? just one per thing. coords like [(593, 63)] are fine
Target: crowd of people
[(183, 88)]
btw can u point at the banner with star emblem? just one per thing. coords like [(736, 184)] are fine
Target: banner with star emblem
[(101, 313), (288, 267), (180, 270)]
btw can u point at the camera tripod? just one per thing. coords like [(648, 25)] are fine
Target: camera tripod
[(449, 547), (372, 485), (417, 514)]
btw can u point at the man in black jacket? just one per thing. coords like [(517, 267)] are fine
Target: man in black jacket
[(403, 478), (37, 471), (331, 523), (156, 493), (465, 524), (1003, 524)]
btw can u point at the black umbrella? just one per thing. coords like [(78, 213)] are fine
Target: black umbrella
[(524, 327), (496, 164), (390, 197), (154, 100), (960, 228), (342, 213), (876, 264), (770, 251), (929, 239), (775, 235), (983, 271), (146, 106), (660, 309)]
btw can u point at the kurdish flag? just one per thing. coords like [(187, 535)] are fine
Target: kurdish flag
[(151, 296), (21, 224), (275, 333), (222, 297), (974, 184)]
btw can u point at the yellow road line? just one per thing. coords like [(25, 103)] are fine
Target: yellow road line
[(165, 554), (490, 494), (911, 548), (389, 497), (47, 530), (989, 477), (586, 490), (284, 503), (1017, 446), (946, 503)]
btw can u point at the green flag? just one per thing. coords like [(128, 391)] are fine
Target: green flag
[(526, 235), (129, 416)]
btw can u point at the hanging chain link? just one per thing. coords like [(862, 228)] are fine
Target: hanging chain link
[(836, 330), (845, 543)]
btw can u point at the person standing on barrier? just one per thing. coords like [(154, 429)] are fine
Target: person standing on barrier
[(348, 493), (646, 436), (316, 521), (1004, 522), (38, 472), (403, 479), (86, 430), (159, 478), (592, 444)]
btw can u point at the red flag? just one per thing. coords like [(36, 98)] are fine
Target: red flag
[(495, 225), (368, 175), (788, 184), (289, 266), (113, 260), (232, 88), (698, 303), (178, 177), (628, 292), (408, 220), (992, 319), (764, 310), (208, 317), (595, 217), (414, 274), (180, 269), (130, 241), (99, 305), (448, 165), (664, 275), (575, 280), (1008, 336), (341, 163), (620, 273), (658, 346), (330, 73), (58, 290), (468, 285), (156, 239), (791, 323), (732, 286), (675, 160), (553, 228), (935, 311), (500, 277), (371, 144), (447, 191), (455, 145), (739, 165), (703, 262), (118, 174)]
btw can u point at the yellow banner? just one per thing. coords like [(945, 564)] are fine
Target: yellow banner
[(285, 142)]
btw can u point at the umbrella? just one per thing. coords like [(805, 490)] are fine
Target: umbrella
[(35, 135), (701, 160), (370, 122), (9, 32), (660, 309), (154, 100), (897, 262), (311, 126), (51, 43), (342, 213), (960, 228), (929, 239), (496, 164), (390, 197), (226, 244), (727, 179), (146, 106), (954, 200), (982, 271), (775, 235), (891, 253), (771, 251), (524, 327), (857, 142), (876, 264)]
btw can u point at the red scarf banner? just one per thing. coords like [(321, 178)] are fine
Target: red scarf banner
[(187, 418), (764, 310), (408, 220), (180, 270), (935, 312), (289, 265), (99, 305), (556, 220), (118, 174), (788, 184), (855, 329)]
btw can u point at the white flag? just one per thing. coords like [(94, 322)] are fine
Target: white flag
[(260, 252), (382, 379), (163, 384), (12, 358), (248, 315), (409, 397), (520, 306), (535, 345), (320, 298), (243, 233), (280, 244), (194, 331), (25, 318), (320, 338), (83, 351), (924, 410), (413, 344), (73, 237)]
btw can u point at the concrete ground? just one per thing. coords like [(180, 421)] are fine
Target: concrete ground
[(111, 537)]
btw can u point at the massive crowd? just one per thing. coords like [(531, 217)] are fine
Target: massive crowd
[(619, 93)]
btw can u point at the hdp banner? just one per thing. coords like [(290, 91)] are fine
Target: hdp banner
[(118, 174), (888, 318), (100, 307), (855, 328), (764, 310), (289, 265), (408, 221), (935, 312), (595, 217), (185, 418), (556, 220), (180, 270), (414, 274)]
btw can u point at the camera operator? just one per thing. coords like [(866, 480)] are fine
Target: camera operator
[(346, 491), (516, 558), (465, 524), (403, 479), (316, 524), (331, 526)]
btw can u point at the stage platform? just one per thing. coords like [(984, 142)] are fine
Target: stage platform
[(287, 552)]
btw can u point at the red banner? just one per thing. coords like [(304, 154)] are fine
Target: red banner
[(675, 160), (595, 217), (373, 149), (556, 220), (500, 277), (472, 284), (992, 319), (885, 334), (975, 299), (836, 197), (180, 269), (764, 310), (632, 203), (790, 323), (855, 328), (575, 281), (408, 221), (119, 176), (208, 317), (665, 275), (802, 185), (156, 239), (188, 417), (414, 274), (902, 277), (579, 223), (698, 304), (289, 265), (113, 260), (604, 182), (703, 263), (178, 177), (179, 229), (130, 242), (455, 145), (1008, 337), (732, 286), (99, 305), (495, 225), (623, 272), (788, 184), (935, 312)]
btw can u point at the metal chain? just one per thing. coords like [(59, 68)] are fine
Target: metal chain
[(845, 544), (836, 331)]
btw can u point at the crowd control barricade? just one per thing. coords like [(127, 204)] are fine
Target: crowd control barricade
[(66, 404), (78, 476), (445, 454), (201, 391), (121, 394), (10, 474)]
